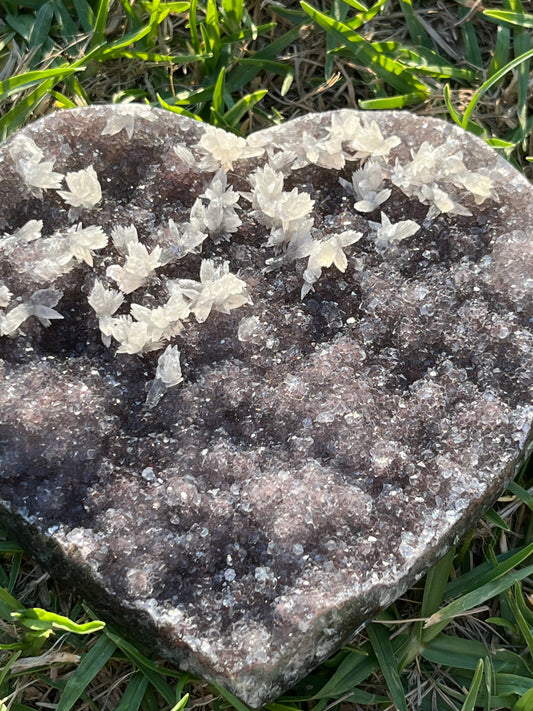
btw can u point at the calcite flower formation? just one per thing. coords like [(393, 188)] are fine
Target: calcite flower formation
[(140, 300)]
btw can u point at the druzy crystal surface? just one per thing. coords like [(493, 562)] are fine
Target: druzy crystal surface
[(251, 389)]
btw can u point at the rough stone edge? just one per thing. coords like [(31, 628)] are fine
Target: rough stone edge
[(250, 684)]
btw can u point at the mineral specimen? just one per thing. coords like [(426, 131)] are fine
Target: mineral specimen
[(251, 389)]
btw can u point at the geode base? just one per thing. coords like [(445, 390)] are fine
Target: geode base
[(251, 390)]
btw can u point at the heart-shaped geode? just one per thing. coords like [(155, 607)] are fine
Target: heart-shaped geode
[(250, 390)]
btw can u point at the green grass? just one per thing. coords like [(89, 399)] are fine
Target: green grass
[(463, 637)]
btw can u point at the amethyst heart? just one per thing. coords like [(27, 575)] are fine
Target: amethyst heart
[(252, 389)]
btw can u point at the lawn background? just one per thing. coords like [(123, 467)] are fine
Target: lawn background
[(243, 66)]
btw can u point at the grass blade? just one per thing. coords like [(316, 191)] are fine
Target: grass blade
[(475, 598), (211, 32), (235, 114), (182, 703), (474, 128), (518, 19), (7, 666), (10, 547), (131, 16), (501, 50), (111, 50), (355, 668), (363, 18), (521, 621), (193, 28), (20, 113), (100, 23), (218, 92), (382, 647), (490, 82), (489, 683), (151, 671), (268, 65), (339, 10), (389, 70), (431, 63), (22, 24), (506, 146), (212, 21), (161, 58), (465, 653), (470, 701), (435, 586), (522, 606), (16, 564), (233, 700), (456, 116), (133, 696), (236, 80), (418, 34), (88, 668), (525, 702), (233, 10), (357, 5), (521, 44), (8, 604), (251, 33), (37, 619), (175, 108), (461, 654), (513, 684), (495, 519), (486, 572), (85, 14), (393, 102), (472, 50), (67, 26), (41, 27), (20, 82)]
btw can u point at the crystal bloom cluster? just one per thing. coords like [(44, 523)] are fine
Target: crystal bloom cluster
[(215, 215), (251, 389)]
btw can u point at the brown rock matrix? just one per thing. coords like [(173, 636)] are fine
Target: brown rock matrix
[(251, 389)]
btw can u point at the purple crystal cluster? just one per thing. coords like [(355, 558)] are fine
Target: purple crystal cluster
[(251, 389)]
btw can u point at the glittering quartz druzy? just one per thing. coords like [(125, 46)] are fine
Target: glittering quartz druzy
[(250, 390)]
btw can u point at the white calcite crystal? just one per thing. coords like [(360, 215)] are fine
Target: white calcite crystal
[(217, 289), (123, 119), (167, 374), (39, 304), (389, 234), (283, 211), (367, 186), (433, 169), (5, 295), (325, 253), (123, 236), (251, 389), (37, 173), (361, 139), (327, 153), (222, 148), (104, 301), (140, 265), (82, 241), (217, 216), (84, 190), (189, 239)]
